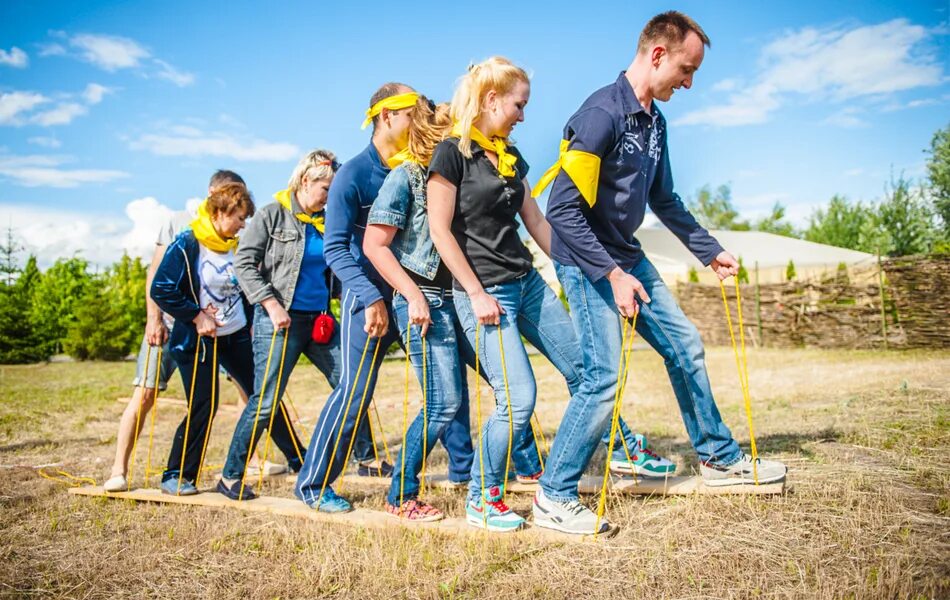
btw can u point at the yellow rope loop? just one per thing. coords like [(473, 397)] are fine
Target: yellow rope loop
[(290, 428), (257, 414), (481, 433), (191, 398), (511, 424), (273, 409), (747, 396), (138, 422), (382, 432), (372, 436), (425, 418), (297, 419), (66, 478), (151, 429), (625, 347), (540, 430), (214, 399), (623, 392), (537, 442), (742, 380), (359, 413), (405, 421)]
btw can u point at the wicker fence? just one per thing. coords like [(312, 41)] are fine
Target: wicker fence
[(844, 311)]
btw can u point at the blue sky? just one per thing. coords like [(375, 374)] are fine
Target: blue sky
[(113, 114)]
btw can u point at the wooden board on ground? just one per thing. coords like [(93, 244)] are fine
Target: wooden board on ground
[(360, 517), (677, 485), (178, 402)]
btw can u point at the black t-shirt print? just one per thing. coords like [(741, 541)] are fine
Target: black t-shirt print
[(486, 207)]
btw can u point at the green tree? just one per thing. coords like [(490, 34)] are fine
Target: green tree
[(906, 219), (844, 225), (9, 264), (938, 171), (716, 211), (693, 275), (55, 298), (790, 271), (126, 282), (19, 342), (99, 330), (775, 223)]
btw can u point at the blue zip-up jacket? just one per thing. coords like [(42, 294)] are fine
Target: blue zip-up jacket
[(634, 172), (175, 289), (351, 195)]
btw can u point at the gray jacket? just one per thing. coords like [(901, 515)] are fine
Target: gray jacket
[(270, 253)]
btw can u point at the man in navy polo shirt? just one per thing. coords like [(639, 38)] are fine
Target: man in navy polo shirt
[(614, 162)]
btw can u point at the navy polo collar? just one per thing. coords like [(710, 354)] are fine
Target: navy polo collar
[(628, 100)]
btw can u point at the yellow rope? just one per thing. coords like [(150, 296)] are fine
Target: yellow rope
[(540, 430), (297, 419), (191, 398), (274, 406), (625, 347), (382, 433), (742, 366), (359, 413), (481, 433), (257, 414), (537, 443), (138, 423), (511, 424), (405, 421), (214, 399), (151, 430), (425, 418), (64, 477), (290, 428)]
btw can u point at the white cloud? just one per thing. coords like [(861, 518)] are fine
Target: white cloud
[(45, 141), (193, 143), (52, 49), (835, 64), (848, 117), (726, 85), (109, 52), (14, 58), (61, 115), (94, 93), (147, 216), (46, 171), (170, 73), (12, 104)]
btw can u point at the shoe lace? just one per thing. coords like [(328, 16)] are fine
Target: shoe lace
[(574, 507), (649, 452), (498, 505)]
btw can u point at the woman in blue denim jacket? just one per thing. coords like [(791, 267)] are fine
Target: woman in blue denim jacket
[(195, 283)]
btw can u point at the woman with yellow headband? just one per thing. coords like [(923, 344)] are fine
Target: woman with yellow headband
[(196, 284)]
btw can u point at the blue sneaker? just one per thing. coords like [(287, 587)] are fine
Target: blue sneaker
[(491, 513), (331, 503), (173, 488)]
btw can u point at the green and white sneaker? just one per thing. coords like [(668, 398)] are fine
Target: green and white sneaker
[(643, 462), (743, 472), (491, 513)]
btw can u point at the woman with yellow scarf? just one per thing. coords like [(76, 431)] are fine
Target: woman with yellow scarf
[(196, 284)]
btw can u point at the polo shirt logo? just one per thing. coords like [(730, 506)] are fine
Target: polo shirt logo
[(654, 149), (630, 141)]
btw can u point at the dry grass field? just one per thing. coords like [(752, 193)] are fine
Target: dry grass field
[(866, 436)]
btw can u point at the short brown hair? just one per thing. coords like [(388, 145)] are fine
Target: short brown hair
[(223, 176), (229, 198), (393, 88), (671, 28)]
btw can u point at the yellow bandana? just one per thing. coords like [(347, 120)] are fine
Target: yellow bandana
[(402, 156), (582, 167), (317, 220), (506, 161), (392, 103), (205, 233)]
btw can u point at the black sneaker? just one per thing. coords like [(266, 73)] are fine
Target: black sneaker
[(384, 470), (234, 492)]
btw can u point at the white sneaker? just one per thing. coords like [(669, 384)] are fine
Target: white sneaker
[(116, 484), (270, 469), (743, 472), (569, 517)]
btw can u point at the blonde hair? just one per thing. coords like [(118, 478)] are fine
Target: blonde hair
[(317, 164), (495, 73), (429, 125)]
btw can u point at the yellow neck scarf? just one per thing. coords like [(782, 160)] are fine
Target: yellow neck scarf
[(402, 156), (206, 234), (392, 103), (582, 167), (317, 220), (506, 161)]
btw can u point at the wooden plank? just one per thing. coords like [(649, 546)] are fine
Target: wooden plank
[(359, 517), (179, 402), (677, 485)]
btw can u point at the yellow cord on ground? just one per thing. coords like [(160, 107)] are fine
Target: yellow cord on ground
[(273, 411), (138, 423), (743, 378), (257, 414), (64, 477), (214, 400), (191, 398)]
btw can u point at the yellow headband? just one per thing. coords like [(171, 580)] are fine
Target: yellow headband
[(392, 103)]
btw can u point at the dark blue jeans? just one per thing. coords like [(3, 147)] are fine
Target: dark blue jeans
[(325, 357), (235, 354), (661, 324)]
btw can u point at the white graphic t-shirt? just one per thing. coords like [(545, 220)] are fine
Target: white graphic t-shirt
[(220, 289)]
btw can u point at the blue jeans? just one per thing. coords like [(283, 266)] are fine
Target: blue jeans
[(326, 358), (447, 408), (664, 326), (533, 311)]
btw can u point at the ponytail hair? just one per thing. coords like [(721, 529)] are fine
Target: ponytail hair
[(317, 164), (495, 73), (429, 125)]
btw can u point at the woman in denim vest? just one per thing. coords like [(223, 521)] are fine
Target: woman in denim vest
[(281, 268)]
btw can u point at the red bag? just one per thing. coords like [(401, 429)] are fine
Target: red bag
[(323, 328)]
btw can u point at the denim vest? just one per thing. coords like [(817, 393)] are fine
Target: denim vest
[(401, 203)]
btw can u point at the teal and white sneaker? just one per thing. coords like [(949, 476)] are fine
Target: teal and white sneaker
[(643, 461), (491, 513)]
